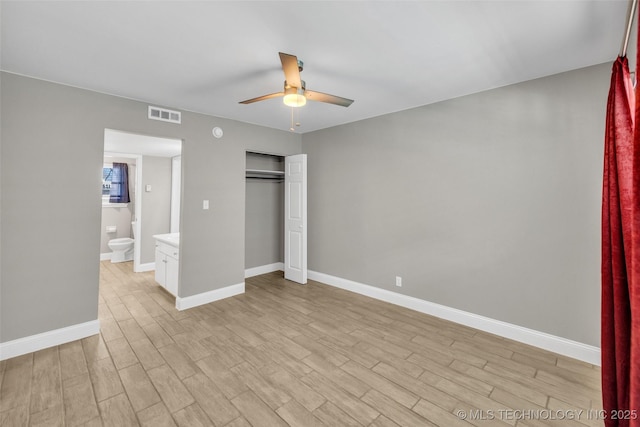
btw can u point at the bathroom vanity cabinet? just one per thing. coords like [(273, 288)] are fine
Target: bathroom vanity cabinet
[(167, 255)]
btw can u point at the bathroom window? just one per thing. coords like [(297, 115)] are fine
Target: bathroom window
[(115, 185), (107, 174)]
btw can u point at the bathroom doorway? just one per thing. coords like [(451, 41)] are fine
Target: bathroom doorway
[(153, 205)]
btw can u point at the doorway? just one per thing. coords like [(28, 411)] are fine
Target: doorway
[(156, 193), (264, 213)]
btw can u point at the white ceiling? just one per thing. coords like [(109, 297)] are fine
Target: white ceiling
[(130, 143), (386, 55)]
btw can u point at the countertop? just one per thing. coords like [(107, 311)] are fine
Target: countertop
[(172, 239)]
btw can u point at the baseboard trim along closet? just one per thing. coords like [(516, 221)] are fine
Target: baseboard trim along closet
[(263, 269), (105, 256), (566, 347), (48, 339), (207, 297)]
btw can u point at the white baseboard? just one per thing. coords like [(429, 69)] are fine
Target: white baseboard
[(106, 256), (263, 269), (207, 297), (48, 339), (566, 347), (149, 266)]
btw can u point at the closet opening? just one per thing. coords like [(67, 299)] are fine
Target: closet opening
[(264, 213)]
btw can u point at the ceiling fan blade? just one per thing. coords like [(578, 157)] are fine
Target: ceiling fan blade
[(325, 97), (291, 70), (262, 98)]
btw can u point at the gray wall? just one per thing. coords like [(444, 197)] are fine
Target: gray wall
[(264, 231), (156, 204), (264, 201), (49, 266), (488, 203)]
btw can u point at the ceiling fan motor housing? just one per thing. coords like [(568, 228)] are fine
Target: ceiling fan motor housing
[(287, 86)]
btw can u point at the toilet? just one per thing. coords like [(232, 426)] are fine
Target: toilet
[(122, 248)]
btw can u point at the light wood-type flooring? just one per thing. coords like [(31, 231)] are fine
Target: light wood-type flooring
[(285, 354)]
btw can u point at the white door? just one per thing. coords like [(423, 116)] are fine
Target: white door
[(295, 218)]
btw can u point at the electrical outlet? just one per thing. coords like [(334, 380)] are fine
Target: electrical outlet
[(398, 281), (205, 204)]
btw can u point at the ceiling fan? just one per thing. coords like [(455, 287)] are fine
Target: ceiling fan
[(295, 92)]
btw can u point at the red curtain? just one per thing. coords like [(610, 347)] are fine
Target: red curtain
[(620, 254)]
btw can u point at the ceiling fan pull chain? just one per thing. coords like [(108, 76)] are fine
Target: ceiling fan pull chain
[(292, 128)]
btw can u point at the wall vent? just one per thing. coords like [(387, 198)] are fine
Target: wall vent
[(157, 113)]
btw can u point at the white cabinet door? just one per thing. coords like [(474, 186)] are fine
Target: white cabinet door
[(172, 275), (167, 267), (161, 276), (295, 221)]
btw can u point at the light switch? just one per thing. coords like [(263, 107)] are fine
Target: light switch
[(147, 188), (205, 204)]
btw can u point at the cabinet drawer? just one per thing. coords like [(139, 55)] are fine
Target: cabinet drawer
[(166, 249)]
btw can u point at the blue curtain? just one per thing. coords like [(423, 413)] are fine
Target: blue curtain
[(119, 184)]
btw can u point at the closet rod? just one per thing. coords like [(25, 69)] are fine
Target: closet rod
[(266, 178), (630, 17)]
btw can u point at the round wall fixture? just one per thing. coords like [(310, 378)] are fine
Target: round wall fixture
[(217, 132)]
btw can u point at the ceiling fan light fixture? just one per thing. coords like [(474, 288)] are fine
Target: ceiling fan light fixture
[(294, 97)]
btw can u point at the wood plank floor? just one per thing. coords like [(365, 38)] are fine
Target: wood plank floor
[(284, 354)]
